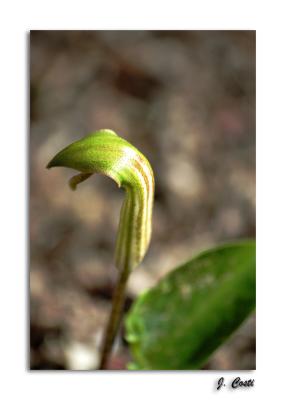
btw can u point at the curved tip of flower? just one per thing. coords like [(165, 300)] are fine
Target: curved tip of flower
[(50, 164), (56, 161), (76, 154)]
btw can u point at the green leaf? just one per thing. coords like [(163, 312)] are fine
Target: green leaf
[(107, 153), (180, 322)]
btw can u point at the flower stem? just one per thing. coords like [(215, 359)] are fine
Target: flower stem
[(114, 318)]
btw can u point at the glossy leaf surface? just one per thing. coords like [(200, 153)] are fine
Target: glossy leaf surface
[(180, 322)]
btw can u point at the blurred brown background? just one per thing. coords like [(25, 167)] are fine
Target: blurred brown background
[(186, 99)]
